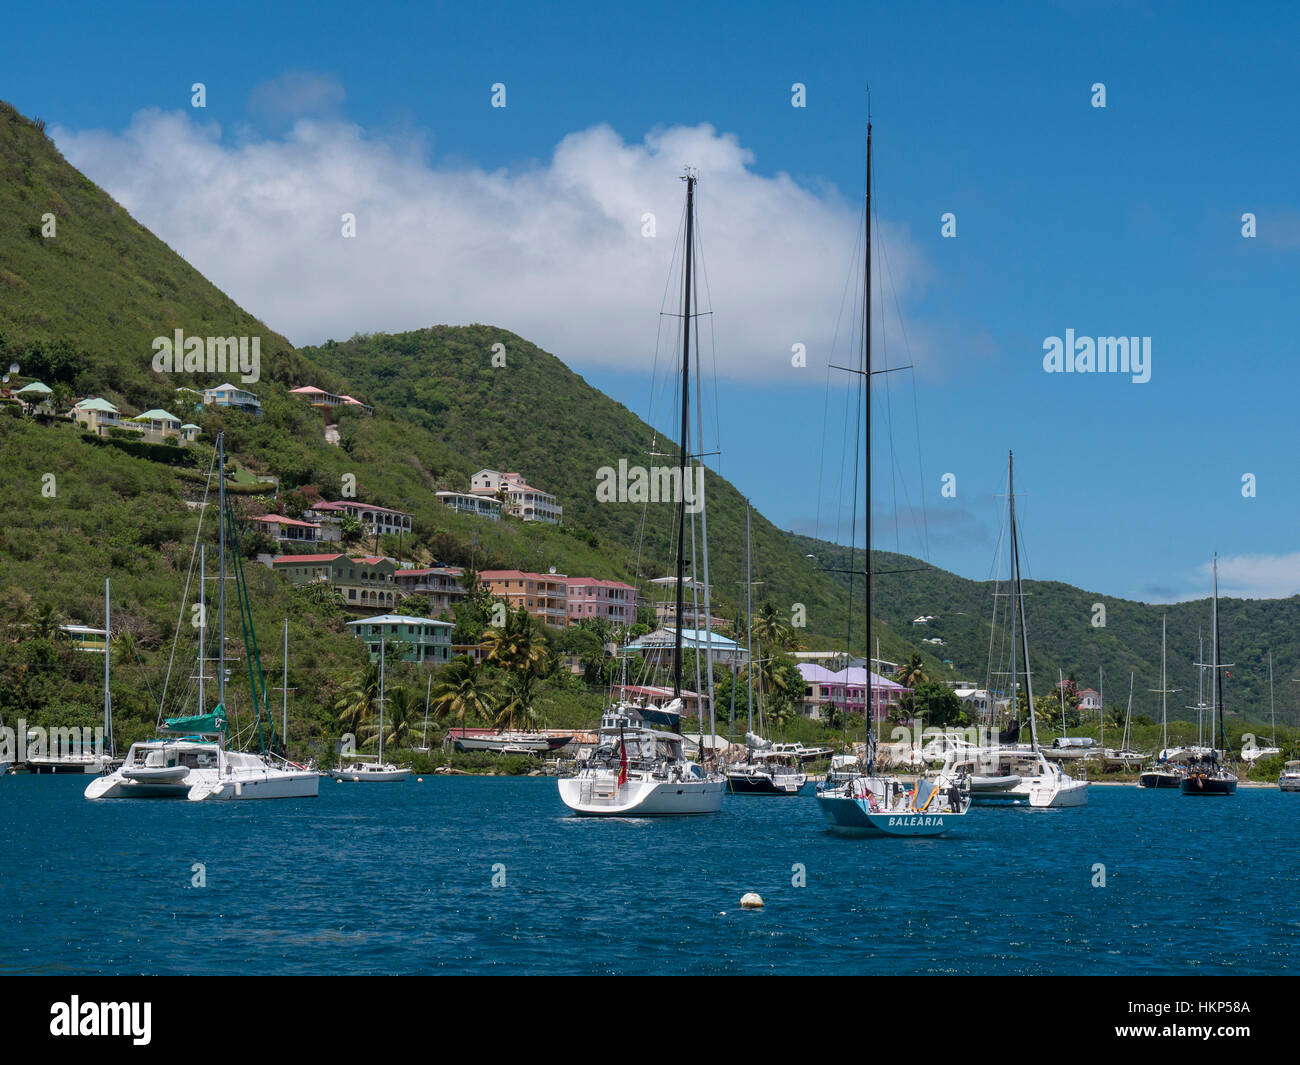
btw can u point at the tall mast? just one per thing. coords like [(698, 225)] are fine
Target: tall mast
[(1218, 687), (1020, 598), (1101, 697), (284, 684), (221, 586), (203, 620), (1164, 685), (1200, 689), (689, 178), (1015, 607), (749, 623), (1272, 713), (866, 384), (108, 704), (383, 642)]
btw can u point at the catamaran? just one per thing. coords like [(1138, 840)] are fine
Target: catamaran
[(873, 803), (1038, 781), (1206, 774), (1289, 778), (192, 760), (639, 766)]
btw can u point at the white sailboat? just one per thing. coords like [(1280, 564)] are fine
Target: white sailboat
[(639, 766), (873, 803), (1251, 754), (102, 758), (1162, 773), (192, 760), (378, 771)]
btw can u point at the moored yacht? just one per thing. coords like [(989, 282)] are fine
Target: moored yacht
[(1206, 774), (638, 769), (874, 803), (1289, 778)]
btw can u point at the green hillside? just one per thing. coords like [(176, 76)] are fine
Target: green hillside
[(80, 310)]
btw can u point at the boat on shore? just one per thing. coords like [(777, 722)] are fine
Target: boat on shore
[(469, 741)]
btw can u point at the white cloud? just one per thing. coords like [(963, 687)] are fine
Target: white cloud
[(296, 93), (1251, 577), (552, 251)]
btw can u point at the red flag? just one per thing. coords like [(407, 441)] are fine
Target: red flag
[(622, 760)]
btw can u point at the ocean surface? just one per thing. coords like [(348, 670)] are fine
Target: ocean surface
[(373, 878)]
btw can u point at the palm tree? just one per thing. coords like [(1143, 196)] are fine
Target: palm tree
[(517, 709), (767, 627), (912, 672), (356, 706), (399, 717), (460, 692)]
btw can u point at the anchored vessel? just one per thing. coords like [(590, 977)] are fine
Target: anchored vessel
[(1017, 774), (377, 772), (872, 803), (639, 766), (1206, 774), (191, 760)]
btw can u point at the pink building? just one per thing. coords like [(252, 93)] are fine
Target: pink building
[(590, 597), (846, 690)]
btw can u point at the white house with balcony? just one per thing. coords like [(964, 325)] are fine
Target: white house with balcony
[(480, 506), (518, 498)]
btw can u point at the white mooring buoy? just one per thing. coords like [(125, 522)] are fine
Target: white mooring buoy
[(751, 900)]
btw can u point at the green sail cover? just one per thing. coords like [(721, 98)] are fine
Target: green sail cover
[(213, 722)]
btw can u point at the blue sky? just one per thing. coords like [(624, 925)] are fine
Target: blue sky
[(1117, 221)]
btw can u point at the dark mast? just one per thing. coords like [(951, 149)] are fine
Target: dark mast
[(866, 384), (689, 178)]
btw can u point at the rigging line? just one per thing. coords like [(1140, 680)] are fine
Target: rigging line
[(203, 510), (894, 469), (702, 273), (826, 403), (916, 415)]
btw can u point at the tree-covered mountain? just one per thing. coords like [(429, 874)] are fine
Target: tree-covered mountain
[(80, 305)]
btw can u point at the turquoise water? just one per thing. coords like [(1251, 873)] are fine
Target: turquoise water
[(398, 879)]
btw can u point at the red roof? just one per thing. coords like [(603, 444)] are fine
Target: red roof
[(305, 558), (598, 582), (516, 574)]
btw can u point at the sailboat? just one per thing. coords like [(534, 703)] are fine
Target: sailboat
[(191, 760), (769, 769), (81, 759), (378, 771), (1162, 773), (639, 765), (1206, 775), (1251, 753), (872, 803), (1043, 783)]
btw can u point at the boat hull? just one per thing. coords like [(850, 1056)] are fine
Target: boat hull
[(745, 784), (854, 817), (641, 798), (207, 785), (1194, 785), (372, 776), (1288, 783), (1157, 779)]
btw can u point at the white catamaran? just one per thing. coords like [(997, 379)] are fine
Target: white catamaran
[(192, 760), (1020, 773)]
